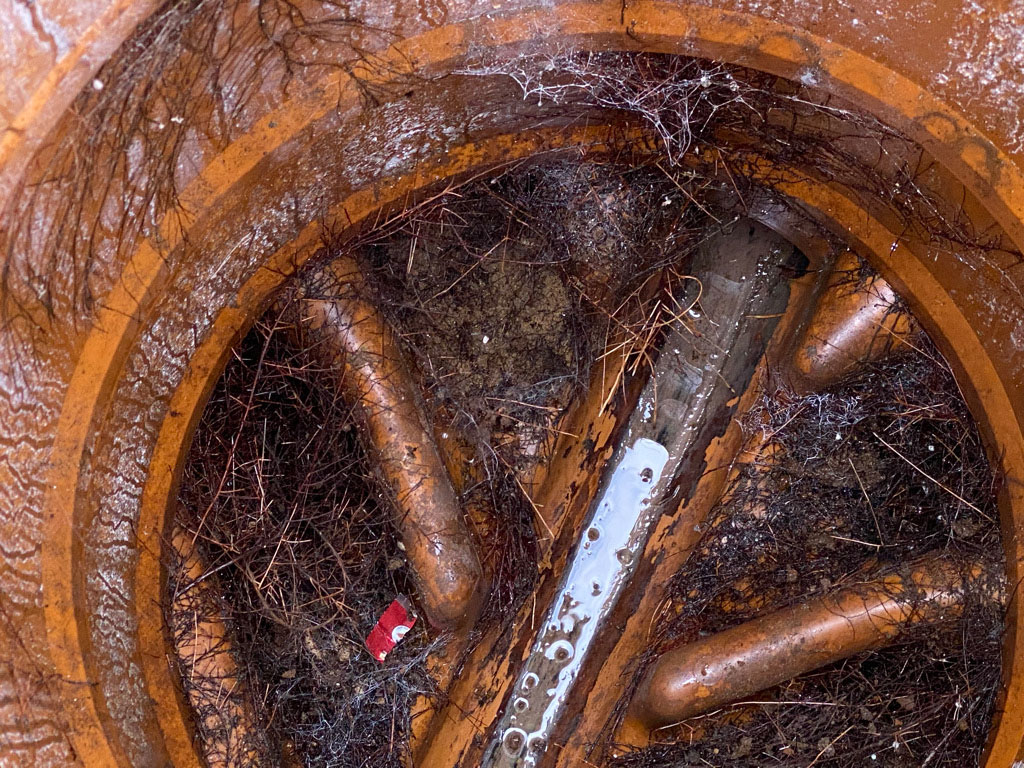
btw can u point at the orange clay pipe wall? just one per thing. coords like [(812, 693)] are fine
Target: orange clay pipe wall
[(360, 351), (120, 311)]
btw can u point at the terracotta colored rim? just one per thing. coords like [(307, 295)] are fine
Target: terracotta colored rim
[(982, 168)]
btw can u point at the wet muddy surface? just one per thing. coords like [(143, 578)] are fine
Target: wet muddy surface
[(123, 167)]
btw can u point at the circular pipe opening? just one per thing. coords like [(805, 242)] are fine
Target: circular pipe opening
[(168, 326)]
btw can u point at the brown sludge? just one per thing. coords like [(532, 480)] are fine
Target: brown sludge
[(349, 336), (738, 662)]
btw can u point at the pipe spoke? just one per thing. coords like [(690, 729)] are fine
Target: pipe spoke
[(709, 353), (737, 663), (347, 333)]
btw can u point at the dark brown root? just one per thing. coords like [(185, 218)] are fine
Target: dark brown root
[(284, 506)]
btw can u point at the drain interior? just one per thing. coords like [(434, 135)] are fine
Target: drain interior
[(514, 297)]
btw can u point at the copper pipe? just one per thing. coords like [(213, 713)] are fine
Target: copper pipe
[(351, 338), (231, 734), (769, 650), (852, 323)]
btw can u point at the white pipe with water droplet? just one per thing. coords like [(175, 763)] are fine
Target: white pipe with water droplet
[(606, 554)]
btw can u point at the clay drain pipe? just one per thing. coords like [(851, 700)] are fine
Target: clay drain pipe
[(854, 322), (354, 342), (739, 662)]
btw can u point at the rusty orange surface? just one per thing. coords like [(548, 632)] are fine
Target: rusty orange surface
[(362, 356), (855, 321), (74, 379)]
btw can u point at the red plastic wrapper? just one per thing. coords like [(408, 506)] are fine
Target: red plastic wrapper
[(391, 627)]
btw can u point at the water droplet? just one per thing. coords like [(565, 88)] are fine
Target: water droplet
[(560, 650), (513, 741), (530, 681), (593, 534), (537, 743), (625, 556), (520, 704)]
